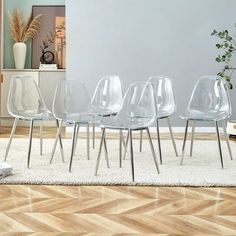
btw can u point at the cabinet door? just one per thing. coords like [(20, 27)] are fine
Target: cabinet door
[(7, 75), (48, 81)]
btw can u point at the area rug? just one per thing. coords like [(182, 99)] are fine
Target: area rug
[(202, 169)]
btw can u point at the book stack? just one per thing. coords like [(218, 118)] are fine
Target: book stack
[(48, 66), (5, 170)]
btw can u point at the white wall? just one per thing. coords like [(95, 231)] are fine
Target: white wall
[(139, 38)]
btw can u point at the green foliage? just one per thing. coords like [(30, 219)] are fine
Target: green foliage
[(227, 46)]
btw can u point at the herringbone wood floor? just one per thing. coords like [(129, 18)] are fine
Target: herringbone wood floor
[(115, 210)]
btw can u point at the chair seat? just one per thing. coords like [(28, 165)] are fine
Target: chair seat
[(79, 118), (133, 123), (205, 116), (164, 114), (102, 112), (31, 115)]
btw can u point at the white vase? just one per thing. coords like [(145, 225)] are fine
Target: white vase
[(19, 51)]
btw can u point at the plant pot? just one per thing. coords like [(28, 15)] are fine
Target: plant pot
[(19, 51)]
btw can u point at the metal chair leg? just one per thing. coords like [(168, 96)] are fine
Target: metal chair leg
[(73, 146), (93, 136), (219, 145), (126, 146), (159, 141), (60, 141), (185, 137), (99, 152), (131, 153), (76, 138), (88, 142), (120, 149), (30, 142), (192, 138), (59, 124), (106, 152), (123, 139), (227, 140), (141, 141), (11, 137), (153, 151), (41, 137), (172, 136)]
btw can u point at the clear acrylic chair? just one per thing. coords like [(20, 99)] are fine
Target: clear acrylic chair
[(138, 112), (25, 102), (209, 102), (71, 105), (107, 98), (166, 106)]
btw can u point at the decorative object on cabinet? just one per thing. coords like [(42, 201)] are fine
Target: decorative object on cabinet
[(50, 46), (20, 33)]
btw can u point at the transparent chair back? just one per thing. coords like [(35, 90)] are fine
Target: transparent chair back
[(108, 96), (71, 100), (138, 105), (209, 99), (24, 99), (165, 97)]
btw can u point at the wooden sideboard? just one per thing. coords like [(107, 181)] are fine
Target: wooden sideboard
[(46, 80)]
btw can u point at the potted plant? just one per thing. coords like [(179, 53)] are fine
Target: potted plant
[(20, 33), (227, 45)]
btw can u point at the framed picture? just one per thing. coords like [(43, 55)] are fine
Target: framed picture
[(50, 45)]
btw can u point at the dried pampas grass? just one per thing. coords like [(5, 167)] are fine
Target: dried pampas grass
[(19, 31)]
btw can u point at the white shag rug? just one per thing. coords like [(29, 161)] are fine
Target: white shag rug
[(203, 169)]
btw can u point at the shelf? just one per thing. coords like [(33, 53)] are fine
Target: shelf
[(34, 70)]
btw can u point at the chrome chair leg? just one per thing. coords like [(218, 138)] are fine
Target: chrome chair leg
[(59, 124), (106, 152), (153, 151), (172, 136), (219, 145), (126, 146), (30, 141), (76, 138), (88, 142), (11, 137), (60, 141), (227, 140), (93, 136), (120, 149), (123, 139), (131, 153), (192, 138), (41, 137), (159, 141), (99, 152), (73, 146), (185, 137), (141, 141)]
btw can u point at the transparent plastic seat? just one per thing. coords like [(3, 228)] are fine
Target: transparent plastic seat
[(25, 102), (71, 104), (107, 98), (165, 105), (209, 102), (138, 112)]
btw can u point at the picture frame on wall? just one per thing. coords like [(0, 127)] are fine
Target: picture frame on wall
[(50, 45)]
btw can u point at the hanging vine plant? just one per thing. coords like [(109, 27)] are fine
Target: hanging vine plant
[(227, 45)]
